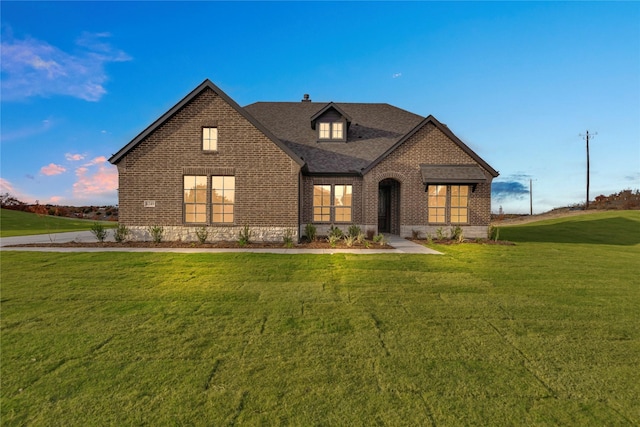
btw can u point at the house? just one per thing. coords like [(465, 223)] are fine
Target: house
[(278, 166)]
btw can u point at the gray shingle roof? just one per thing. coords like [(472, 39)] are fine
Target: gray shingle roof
[(374, 129)]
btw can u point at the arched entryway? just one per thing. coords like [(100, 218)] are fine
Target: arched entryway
[(389, 206)]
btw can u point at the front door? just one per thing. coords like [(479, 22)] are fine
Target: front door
[(384, 209)]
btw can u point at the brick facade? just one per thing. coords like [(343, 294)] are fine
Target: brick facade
[(266, 177), (428, 145)]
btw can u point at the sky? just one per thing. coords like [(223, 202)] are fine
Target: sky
[(518, 82)]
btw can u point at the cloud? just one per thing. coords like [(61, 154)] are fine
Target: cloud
[(31, 67), (396, 75), (503, 190), (52, 169), (94, 182), (74, 157)]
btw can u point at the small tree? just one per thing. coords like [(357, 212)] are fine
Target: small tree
[(99, 231)]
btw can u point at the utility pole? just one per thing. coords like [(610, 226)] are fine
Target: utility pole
[(586, 138), (530, 198)]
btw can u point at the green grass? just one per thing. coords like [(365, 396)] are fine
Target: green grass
[(541, 333), (16, 223)]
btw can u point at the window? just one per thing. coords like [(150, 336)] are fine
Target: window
[(223, 190), (325, 130), (321, 203), (342, 203), (332, 203), (437, 203), (195, 199), (331, 130), (210, 139), (336, 131), (459, 203)]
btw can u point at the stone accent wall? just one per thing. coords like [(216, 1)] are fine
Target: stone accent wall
[(267, 179), (215, 234), (427, 146)]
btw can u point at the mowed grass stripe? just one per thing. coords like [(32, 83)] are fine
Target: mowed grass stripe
[(537, 333)]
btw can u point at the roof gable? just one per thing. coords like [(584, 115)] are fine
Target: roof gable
[(207, 84), (444, 129), (330, 106)]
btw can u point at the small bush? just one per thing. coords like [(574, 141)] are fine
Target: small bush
[(287, 238), (353, 231), (349, 240), (120, 233), (244, 236), (457, 234), (493, 233), (156, 232), (440, 233), (99, 231), (415, 234), (311, 232), (202, 234), (333, 240), (360, 238), (379, 239), (335, 231)]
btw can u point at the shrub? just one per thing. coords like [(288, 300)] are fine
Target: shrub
[(379, 239), (360, 238), (440, 233), (120, 233), (349, 240), (415, 234), (287, 238), (311, 232), (493, 233), (335, 231), (457, 234), (99, 231), (156, 232), (244, 236), (353, 231), (333, 240), (202, 234)]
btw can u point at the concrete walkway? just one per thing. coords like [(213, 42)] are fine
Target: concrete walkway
[(400, 246)]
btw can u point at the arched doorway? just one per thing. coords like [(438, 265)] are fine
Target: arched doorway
[(389, 206)]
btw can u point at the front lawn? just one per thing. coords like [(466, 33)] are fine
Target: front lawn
[(17, 223), (544, 332)]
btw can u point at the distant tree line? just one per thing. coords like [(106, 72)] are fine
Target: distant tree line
[(626, 199), (104, 213)]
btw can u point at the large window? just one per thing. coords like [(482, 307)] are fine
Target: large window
[(321, 203), (459, 203), (437, 203), (210, 139), (223, 191), (331, 130), (195, 199), (332, 203), (342, 203)]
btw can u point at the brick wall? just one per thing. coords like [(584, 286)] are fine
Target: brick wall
[(428, 146), (267, 179)]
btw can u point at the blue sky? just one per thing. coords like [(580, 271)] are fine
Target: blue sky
[(517, 81)]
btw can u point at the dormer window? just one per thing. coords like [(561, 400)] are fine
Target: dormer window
[(331, 123), (331, 130)]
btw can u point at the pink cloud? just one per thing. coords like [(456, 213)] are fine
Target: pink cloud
[(74, 157), (90, 183), (52, 169)]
